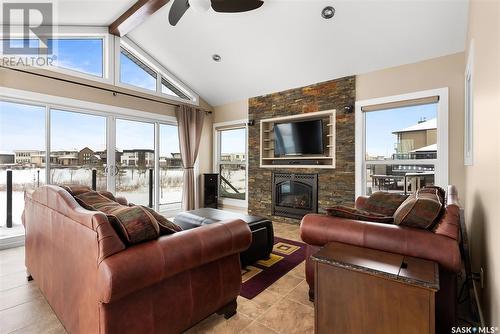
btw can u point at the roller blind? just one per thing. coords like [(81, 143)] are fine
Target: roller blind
[(401, 104)]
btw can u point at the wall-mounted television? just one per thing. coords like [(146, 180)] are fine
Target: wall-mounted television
[(301, 138)]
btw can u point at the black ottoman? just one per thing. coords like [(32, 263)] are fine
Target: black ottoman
[(262, 230)]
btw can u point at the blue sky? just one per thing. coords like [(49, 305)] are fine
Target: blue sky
[(233, 141), (82, 55), (380, 125)]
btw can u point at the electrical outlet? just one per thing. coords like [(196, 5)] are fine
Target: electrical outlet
[(481, 277)]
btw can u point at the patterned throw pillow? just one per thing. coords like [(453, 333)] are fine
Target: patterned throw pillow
[(357, 214), (166, 226), (420, 210), (384, 203), (432, 189), (134, 224)]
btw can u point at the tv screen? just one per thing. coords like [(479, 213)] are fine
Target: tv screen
[(298, 138)]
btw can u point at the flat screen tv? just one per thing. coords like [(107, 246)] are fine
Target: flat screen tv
[(298, 138)]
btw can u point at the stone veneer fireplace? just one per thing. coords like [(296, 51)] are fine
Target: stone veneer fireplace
[(294, 195), (334, 186)]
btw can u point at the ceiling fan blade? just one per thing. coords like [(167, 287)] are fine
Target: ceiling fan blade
[(178, 9), (235, 6)]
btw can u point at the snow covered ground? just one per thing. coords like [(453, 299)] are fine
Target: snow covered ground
[(132, 184)]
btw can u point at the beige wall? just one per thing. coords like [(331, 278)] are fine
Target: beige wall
[(51, 86), (483, 178), (447, 71), (231, 112)]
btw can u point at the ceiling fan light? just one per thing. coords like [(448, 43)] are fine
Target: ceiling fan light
[(200, 5)]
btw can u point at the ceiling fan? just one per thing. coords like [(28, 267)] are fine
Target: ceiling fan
[(179, 7)]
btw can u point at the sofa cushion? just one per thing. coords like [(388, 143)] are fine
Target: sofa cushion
[(384, 203), (75, 189), (357, 214), (420, 210), (134, 224)]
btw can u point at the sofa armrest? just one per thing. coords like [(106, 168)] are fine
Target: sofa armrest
[(318, 230), (361, 202), (145, 264)]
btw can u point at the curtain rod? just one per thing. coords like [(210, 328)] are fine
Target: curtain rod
[(99, 88)]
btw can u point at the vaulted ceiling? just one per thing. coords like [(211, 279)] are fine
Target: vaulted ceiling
[(285, 43)]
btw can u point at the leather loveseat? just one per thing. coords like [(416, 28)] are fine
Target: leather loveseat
[(95, 284), (440, 245)]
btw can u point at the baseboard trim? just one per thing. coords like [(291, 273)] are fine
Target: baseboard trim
[(11, 242), (479, 309)]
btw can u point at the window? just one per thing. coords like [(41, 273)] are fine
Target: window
[(83, 55), (138, 69), (402, 145), (136, 73), (118, 144), (171, 171), (232, 162), (78, 146), (19, 43), (135, 145), (93, 54), (168, 88), (22, 153), (469, 109)]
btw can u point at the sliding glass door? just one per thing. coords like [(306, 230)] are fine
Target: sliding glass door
[(135, 161), (170, 164), (131, 156), (77, 148), (22, 160)]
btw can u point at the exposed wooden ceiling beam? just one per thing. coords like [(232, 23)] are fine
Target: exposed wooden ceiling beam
[(135, 15)]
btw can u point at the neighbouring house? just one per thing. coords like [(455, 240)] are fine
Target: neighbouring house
[(232, 157), (7, 158), (137, 158), (86, 157), (173, 161), (103, 156), (415, 137), (23, 157)]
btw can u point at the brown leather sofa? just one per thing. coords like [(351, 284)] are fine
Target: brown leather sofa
[(440, 245), (95, 284)]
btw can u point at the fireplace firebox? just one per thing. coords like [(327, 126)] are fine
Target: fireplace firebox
[(294, 195)]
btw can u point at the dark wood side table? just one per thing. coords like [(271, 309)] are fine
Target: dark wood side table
[(362, 290)]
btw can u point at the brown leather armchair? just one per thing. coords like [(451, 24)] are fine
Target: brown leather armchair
[(440, 245), (95, 284)]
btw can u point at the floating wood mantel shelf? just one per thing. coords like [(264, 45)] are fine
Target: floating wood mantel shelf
[(325, 160)]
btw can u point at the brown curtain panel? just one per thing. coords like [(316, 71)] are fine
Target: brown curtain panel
[(190, 122)]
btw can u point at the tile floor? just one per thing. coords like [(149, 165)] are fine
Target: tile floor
[(282, 308)]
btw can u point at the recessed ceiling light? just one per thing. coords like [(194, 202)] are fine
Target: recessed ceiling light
[(216, 58), (328, 12)]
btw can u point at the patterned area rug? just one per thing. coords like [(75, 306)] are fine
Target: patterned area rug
[(286, 255)]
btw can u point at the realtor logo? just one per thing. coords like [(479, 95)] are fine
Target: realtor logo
[(35, 20)]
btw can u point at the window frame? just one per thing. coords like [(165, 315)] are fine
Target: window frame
[(161, 72), (217, 128), (111, 61), (52, 102), (469, 108), (441, 163), (83, 32)]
